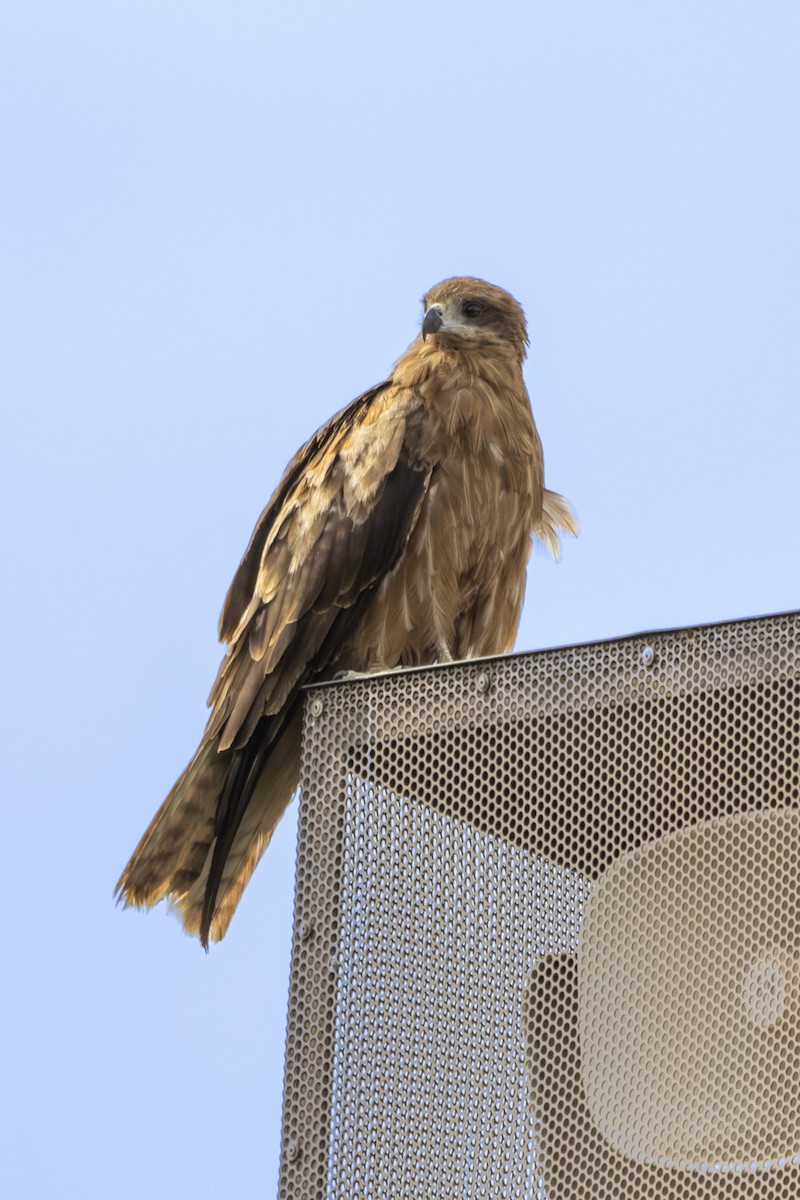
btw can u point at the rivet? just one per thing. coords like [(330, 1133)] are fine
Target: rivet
[(484, 681), (292, 1151), (648, 656), (316, 707), (306, 930)]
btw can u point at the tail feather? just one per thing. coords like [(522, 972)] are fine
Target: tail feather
[(557, 514), (273, 790), (174, 857), (175, 844)]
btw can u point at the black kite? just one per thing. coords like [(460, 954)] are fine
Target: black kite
[(399, 535)]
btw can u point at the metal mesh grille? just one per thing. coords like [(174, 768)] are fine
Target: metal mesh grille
[(547, 936)]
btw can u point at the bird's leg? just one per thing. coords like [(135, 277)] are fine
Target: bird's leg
[(443, 652)]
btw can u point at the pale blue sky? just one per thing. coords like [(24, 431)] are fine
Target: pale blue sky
[(216, 223)]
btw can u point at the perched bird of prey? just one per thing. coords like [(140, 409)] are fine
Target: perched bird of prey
[(398, 535)]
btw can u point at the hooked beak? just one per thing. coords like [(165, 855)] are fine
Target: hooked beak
[(432, 321)]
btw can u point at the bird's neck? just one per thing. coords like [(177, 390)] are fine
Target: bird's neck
[(475, 397), (496, 365)]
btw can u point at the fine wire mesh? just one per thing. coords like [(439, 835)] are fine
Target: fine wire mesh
[(547, 926)]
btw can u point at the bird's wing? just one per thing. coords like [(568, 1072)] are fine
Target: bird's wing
[(337, 523)]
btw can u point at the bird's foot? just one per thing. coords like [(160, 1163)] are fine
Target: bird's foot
[(343, 676)]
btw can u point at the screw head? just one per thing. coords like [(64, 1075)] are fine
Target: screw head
[(648, 656), (483, 681), (292, 1151), (316, 707), (306, 929)]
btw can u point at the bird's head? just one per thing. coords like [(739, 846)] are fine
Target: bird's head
[(464, 313)]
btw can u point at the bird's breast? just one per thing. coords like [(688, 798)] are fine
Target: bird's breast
[(458, 588)]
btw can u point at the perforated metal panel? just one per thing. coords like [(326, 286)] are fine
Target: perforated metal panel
[(547, 930)]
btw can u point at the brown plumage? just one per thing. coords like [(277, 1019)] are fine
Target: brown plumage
[(399, 535)]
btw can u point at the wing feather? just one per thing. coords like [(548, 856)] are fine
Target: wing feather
[(305, 462), (331, 534), (338, 522)]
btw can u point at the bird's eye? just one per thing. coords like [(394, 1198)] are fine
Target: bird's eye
[(472, 308)]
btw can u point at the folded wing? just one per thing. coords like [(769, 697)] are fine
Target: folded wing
[(338, 522)]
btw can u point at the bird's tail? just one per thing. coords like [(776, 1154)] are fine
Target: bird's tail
[(557, 514), (182, 851)]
